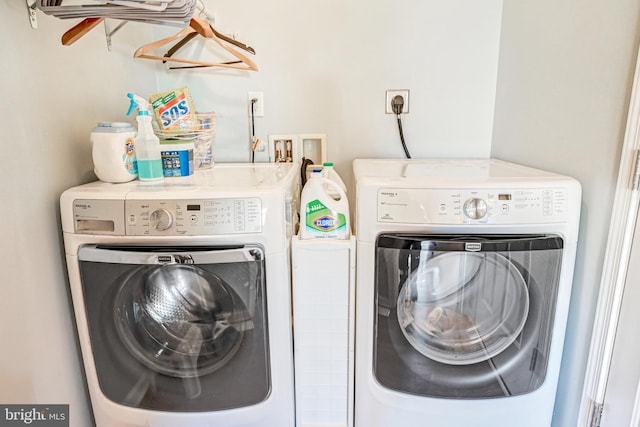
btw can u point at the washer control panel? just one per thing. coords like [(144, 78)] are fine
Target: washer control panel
[(179, 217), (472, 206), (193, 217)]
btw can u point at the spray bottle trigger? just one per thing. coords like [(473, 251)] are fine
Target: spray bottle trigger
[(137, 102), (132, 104)]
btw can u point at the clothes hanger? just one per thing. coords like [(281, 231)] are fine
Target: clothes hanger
[(181, 43), (202, 10), (190, 36), (233, 41), (205, 30), (160, 12), (77, 31)]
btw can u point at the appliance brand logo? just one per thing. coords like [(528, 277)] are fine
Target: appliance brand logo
[(36, 415), (473, 246), (388, 193), (175, 259)]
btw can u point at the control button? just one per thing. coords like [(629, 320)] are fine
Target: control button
[(194, 219), (504, 208), (161, 219), (475, 208), (131, 219)]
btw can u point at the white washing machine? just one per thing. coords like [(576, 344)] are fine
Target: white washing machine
[(181, 292), (464, 276)]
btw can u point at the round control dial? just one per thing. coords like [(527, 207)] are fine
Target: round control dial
[(161, 219), (475, 208)]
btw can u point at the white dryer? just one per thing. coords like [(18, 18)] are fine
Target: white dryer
[(181, 292), (464, 276)]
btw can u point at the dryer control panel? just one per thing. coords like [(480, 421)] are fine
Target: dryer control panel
[(472, 206), (167, 217)]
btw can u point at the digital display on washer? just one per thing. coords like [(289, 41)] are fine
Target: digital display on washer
[(193, 207), (504, 196)]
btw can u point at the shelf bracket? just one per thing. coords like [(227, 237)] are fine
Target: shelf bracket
[(108, 33), (31, 8)]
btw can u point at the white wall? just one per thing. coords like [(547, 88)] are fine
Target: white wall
[(324, 67), (562, 98), (51, 98)]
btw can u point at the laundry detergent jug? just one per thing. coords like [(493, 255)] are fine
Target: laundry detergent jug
[(324, 216), (113, 152)]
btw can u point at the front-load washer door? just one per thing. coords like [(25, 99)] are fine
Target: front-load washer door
[(178, 329), (464, 316)]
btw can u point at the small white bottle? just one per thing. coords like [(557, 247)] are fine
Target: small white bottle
[(147, 144), (324, 216)]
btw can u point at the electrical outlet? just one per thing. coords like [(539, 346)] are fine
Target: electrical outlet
[(258, 107), (389, 98)]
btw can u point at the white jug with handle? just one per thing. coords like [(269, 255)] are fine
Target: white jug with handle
[(113, 152), (324, 216)]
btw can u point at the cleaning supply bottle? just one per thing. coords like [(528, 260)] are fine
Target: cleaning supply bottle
[(330, 173), (147, 144), (113, 152), (324, 216)]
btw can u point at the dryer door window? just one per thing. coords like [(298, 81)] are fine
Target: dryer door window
[(178, 329), (462, 308), (460, 316)]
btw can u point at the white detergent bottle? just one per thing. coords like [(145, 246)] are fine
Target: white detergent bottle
[(147, 144), (324, 216), (330, 173)]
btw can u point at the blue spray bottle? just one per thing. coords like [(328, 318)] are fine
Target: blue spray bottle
[(146, 143)]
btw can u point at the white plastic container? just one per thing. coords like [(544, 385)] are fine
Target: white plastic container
[(324, 216), (113, 152), (177, 157), (330, 173), (204, 141)]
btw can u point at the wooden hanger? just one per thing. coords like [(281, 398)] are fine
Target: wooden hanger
[(205, 30), (233, 41), (77, 31), (172, 51), (221, 36)]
